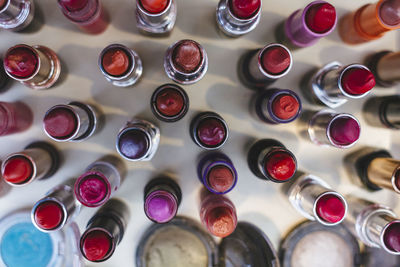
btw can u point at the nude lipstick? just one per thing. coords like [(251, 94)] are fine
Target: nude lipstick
[(268, 159), (100, 181), (16, 15), (383, 112), (39, 160), (238, 17), (105, 231), (138, 140), (56, 209), (306, 26), (37, 67), (14, 118), (385, 66), (370, 22), (209, 130), (374, 224), (259, 68), (315, 200), (73, 122), (334, 84), (169, 103), (186, 62), (217, 173), (88, 15), (162, 197), (156, 18), (276, 106), (218, 215), (120, 65)]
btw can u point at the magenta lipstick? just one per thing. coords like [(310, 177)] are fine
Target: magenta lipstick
[(156, 18), (259, 68), (186, 62), (16, 15), (14, 118), (105, 231), (56, 209), (217, 173), (100, 181), (169, 103), (138, 140), (209, 130), (120, 65), (39, 160), (162, 197), (382, 112), (37, 67), (385, 66), (374, 224), (88, 15), (73, 122), (269, 160), (238, 17), (315, 200)]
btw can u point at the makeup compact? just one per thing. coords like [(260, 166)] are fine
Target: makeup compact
[(183, 242)]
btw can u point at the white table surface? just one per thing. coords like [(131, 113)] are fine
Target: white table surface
[(257, 201)]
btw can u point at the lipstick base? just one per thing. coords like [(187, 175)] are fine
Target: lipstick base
[(244, 74), (54, 155), (93, 120), (133, 77), (162, 29), (23, 20), (372, 64), (375, 112)]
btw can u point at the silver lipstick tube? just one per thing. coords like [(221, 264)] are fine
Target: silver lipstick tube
[(160, 24), (383, 112), (16, 15)]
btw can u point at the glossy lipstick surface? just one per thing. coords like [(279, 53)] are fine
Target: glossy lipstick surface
[(134, 144), (48, 215), (244, 9), (220, 178), (92, 189), (209, 130), (330, 208), (285, 107), (96, 245), (357, 81), (187, 56), (21, 62), (154, 6), (321, 18), (391, 237), (169, 103), (276, 60), (116, 62), (280, 166), (344, 131), (60, 123), (17, 170)]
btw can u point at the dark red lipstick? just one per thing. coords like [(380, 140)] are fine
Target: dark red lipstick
[(169, 103)]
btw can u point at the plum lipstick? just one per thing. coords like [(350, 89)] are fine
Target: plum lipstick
[(238, 17), (385, 66), (16, 15), (14, 118), (37, 67), (383, 112)]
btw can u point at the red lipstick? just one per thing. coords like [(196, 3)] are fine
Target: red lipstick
[(17, 170), (156, 17), (116, 62), (16, 15), (154, 6), (285, 107), (96, 245), (280, 166), (357, 81), (169, 103), (275, 60), (330, 208), (14, 118), (48, 215), (21, 62), (320, 18), (245, 9)]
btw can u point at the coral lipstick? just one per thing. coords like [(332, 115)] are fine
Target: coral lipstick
[(154, 6), (156, 17), (16, 15), (280, 166), (14, 118)]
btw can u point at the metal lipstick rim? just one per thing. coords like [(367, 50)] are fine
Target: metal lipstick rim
[(23, 19), (132, 62), (64, 210), (167, 8), (31, 161)]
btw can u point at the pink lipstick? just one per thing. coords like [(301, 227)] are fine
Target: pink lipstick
[(16, 15), (37, 67), (14, 118)]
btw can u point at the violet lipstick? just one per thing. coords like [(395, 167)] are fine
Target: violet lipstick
[(14, 118), (16, 15), (383, 112)]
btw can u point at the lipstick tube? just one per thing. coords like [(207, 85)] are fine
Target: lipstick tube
[(275, 106), (41, 70), (186, 62), (385, 66), (88, 15), (16, 15), (105, 231), (74, 122), (303, 28), (39, 160), (156, 20), (259, 68), (268, 159), (138, 140), (217, 173), (234, 21), (56, 209), (383, 112), (120, 65), (162, 197), (100, 181), (209, 130), (370, 22), (14, 118), (374, 224), (4, 79), (218, 215), (315, 200), (328, 128)]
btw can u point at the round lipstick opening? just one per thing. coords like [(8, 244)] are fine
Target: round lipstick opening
[(357, 81), (73, 5), (187, 56), (280, 165), (211, 132), (161, 206), (389, 12), (221, 221), (391, 237), (221, 178), (154, 6), (21, 62), (116, 62), (2, 4), (17, 170), (134, 144), (170, 102), (275, 60), (330, 208), (60, 123), (96, 245), (344, 131), (48, 215), (321, 18), (244, 9), (92, 190), (285, 106)]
